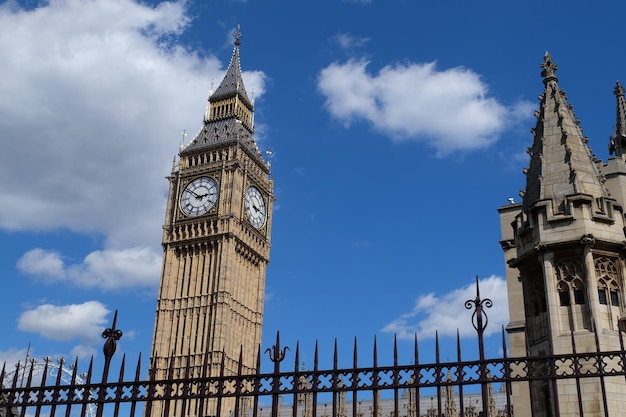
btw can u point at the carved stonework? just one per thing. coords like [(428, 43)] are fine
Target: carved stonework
[(588, 240), (507, 244), (549, 68)]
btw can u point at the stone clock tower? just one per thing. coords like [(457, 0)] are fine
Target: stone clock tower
[(216, 245)]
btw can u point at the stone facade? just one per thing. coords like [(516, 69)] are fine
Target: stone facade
[(564, 250), (216, 243)]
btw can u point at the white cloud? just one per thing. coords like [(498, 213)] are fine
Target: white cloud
[(348, 41), (447, 313), (93, 96), (84, 321), (82, 351), (450, 109), (107, 269), (39, 262), (11, 357)]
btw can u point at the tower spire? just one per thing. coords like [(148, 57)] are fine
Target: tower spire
[(617, 143), (232, 84), (230, 112), (561, 163)]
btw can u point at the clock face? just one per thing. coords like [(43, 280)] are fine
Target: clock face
[(199, 196), (255, 207)]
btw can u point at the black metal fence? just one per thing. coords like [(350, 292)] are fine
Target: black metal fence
[(466, 388)]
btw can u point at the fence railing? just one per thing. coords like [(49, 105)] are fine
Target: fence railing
[(466, 388)]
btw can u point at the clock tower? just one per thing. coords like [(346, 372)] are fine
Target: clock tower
[(216, 244)]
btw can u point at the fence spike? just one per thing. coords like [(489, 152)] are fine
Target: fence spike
[(74, 371), (395, 350), (238, 382), (256, 388), (354, 354), (122, 367), (44, 374), (296, 381), (375, 353), (297, 358), (220, 387), (202, 393), (133, 404), (459, 371), (138, 368)]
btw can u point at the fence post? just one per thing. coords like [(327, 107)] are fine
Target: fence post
[(276, 356), (480, 326), (112, 335)]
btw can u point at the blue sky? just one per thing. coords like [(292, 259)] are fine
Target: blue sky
[(397, 128)]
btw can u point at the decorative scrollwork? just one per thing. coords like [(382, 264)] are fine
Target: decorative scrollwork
[(275, 353), (112, 335), (479, 317)]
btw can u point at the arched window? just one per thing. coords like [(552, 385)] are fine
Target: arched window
[(570, 282), (608, 282)]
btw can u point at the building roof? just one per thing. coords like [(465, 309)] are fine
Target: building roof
[(561, 163)]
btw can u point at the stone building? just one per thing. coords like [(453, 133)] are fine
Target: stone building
[(216, 244), (564, 247)]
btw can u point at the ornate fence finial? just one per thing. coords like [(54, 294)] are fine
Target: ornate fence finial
[(479, 312), (477, 321), (276, 355), (112, 335)]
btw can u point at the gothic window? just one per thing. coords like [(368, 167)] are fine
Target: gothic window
[(602, 292), (563, 289), (608, 281), (572, 294), (609, 293), (614, 291), (579, 291), (570, 282)]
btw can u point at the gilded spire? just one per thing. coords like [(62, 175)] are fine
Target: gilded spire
[(561, 163), (617, 144)]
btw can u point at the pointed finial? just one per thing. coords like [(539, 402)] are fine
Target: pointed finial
[(549, 68), (617, 143), (237, 35), (619, 90)]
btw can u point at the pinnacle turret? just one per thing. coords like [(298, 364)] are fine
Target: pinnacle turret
[(561, 163), (617, 144)]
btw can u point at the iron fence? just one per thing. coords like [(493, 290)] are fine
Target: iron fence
[(465, 388)]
